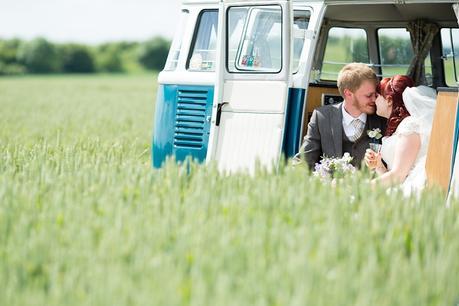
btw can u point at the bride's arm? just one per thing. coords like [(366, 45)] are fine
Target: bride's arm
[(406, 151)]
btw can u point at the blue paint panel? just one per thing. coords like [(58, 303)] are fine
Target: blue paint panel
[(292, 130), (182, 122)]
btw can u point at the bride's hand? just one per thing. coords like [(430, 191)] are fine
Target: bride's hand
[(373, 159)]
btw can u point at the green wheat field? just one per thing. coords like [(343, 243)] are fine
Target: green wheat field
[(85, 220)]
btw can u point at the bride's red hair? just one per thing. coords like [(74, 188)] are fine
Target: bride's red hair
[(393, 87)]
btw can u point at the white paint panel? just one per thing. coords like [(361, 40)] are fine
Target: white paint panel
[(245, 138), (186, 78), (259, 96)]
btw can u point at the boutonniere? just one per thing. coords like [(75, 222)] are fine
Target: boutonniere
[(374, 133)]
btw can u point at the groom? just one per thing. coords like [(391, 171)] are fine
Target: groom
[(339, 128)]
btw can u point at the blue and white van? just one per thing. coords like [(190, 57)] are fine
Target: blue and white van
[(243, 77)]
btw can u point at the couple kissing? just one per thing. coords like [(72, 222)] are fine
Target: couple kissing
[(402, 112)]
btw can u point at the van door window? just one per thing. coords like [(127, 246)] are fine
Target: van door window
[(255, 39), (450, 43), (300, 25), (204, 43), (396, 53), (174, 52), (236, 21), (344, 45)]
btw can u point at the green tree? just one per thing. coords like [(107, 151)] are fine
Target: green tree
[(8, 58), (108, 58), (76, 58), (360, 53), (8, 50), (39, 56), (395, 50), (153, 53), (11, 69)]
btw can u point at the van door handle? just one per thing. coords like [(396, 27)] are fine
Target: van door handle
[(219, 112)]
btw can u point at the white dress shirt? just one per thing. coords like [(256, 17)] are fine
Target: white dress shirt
[(349, 129)]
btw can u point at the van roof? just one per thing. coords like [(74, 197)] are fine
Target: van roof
[(395, 2), (376, 10), (440, 12), (353, 2), (200, 1)]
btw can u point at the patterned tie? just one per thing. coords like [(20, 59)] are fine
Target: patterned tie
[(358, 125)]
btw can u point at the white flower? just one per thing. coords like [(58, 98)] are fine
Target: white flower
[(374, 133), (334, 167), (347, 157)]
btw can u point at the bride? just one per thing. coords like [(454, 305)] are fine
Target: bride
[(409, 112)]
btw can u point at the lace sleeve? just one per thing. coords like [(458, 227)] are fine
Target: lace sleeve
[(409, 126)]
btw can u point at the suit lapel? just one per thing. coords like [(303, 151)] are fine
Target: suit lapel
[(336, 125), (375, 121), (370, 122)]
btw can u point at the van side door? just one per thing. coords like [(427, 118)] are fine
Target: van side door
[(253, 78)]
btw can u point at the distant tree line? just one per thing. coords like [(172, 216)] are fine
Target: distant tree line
[(42, 56)]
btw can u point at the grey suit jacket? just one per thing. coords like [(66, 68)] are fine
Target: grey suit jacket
[(325, 135)]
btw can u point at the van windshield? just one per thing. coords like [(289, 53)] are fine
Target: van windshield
[(174, 52), (205, 42)]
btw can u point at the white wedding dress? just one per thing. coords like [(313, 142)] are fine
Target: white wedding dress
[(420, 103)]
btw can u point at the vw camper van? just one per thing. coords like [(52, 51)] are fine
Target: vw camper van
[(243, 77)]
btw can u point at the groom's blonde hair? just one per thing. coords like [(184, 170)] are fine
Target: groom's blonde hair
[(353, 75)]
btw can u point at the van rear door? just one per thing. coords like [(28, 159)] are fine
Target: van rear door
[(253, 70)]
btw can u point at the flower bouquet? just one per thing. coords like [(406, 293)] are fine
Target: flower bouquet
[(375, 135), (330, 168)]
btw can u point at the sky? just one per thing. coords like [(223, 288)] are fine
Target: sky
[(88, 21)]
